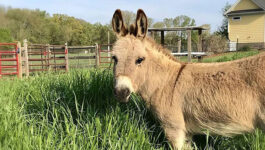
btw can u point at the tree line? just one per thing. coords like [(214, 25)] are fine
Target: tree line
[(38, 26)]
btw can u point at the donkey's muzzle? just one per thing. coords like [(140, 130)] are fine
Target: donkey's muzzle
[(122, 94)]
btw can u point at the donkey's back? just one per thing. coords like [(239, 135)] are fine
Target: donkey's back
[(226, 98)]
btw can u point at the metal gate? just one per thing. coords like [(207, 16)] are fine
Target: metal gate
[(105, 55), (43, 58), (9, 64)]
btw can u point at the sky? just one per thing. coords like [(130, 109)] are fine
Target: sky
[(203, 11)]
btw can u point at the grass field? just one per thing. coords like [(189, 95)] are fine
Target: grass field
[(78, 110), (224, 57)]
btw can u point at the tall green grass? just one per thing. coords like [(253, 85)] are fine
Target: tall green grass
[(77, 110), (73, 111)]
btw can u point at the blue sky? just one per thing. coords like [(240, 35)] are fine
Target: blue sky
[(203, 11)]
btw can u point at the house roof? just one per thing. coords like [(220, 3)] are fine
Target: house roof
[(260, 3), (243, 12)]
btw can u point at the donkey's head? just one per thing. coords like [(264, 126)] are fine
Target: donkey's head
[(129, 55)]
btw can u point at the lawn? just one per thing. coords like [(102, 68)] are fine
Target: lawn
[(224, 57), (77, 110)]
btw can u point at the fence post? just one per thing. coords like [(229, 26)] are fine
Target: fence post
[(162, 38), (189, 45), (97, 55), (66, 58), (20, 71), (153, 34), (26, 57), (179, 45), (0, 66), (237, 43), (46, 57), (199, 41), (109, 59), (49, 57)]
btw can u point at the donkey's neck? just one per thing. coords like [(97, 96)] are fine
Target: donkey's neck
[(161, 76)]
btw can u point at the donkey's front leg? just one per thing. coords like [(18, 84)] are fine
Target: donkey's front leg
[(176, 137)]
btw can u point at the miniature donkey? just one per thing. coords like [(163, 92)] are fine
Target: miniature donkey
[(223, 98)]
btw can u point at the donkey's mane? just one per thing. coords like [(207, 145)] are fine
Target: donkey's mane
[(161, 49)]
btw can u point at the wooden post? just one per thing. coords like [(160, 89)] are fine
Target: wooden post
[(20, 71), (109, 59), (162, 38), (237, 43), (25, 42), (189, 45), (179, 45), (48, 56), (200, 41), (200, 59), (66, 57), (97, 51), (153, 34), (41, 56)]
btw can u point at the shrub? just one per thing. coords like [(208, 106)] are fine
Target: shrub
[(214, 43), (5, 35), (245, 48)]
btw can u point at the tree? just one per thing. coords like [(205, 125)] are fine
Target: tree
[(5, 36), (128, 17), (171, 38), (223, 29)]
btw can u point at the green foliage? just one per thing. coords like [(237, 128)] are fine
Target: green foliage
[(78, 111), (171, 38), (73, 111), (214, 43), (223, 29), (39, 27), (231, 56), (128, 17), (5, 35), (245, 48)]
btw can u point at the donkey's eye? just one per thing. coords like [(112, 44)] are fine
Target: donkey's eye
[(139, 61), (115, 59)]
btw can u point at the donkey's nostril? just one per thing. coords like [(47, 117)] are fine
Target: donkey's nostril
[(124, 92)]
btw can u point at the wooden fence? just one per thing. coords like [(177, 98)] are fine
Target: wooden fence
[(83, 56), (33, 58)]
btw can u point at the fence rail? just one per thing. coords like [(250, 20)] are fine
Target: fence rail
[(32, 58), (9, 59), (105, 55)]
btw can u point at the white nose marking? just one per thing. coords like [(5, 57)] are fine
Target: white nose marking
[(124, 82)]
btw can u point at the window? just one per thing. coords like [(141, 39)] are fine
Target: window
[(236, 18)]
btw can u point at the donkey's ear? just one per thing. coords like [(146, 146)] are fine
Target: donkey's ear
[(141, 24), (117, 24)]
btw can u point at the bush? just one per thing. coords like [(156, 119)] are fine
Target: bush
[(245, 48), (215, 43), (5, 36)]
